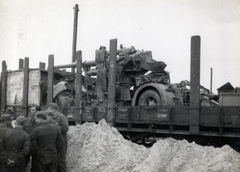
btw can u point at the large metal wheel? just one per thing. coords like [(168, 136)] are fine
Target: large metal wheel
[(149, 98)]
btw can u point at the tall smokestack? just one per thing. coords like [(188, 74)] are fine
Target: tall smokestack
[(211, 70)]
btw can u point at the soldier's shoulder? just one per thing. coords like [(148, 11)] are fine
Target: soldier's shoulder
[(62, 115)]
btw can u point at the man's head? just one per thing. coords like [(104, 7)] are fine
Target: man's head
[(40, 117), (20, 120), (53, 107), (9, 110), (6, 117), (50, 116), (3, 121), (34, 109)]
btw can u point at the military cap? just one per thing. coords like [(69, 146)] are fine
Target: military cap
[(6, 117), (52, 105), (42, 115), (20, 120)]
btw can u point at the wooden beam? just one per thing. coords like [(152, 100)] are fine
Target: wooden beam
[(3, 87), (195, 85), (50, 78), (74, 43), (78, 110), (42, 65), (20, 65), (112, 82), (25, 86)]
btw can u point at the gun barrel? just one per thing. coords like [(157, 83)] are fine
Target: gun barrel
[(71, 65)]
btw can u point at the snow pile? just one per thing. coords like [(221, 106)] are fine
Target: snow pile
[(170, 155), (101, 148)]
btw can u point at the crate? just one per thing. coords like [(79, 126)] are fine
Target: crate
[(229, 99)]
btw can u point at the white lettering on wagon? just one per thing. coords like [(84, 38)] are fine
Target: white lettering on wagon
[(162, 115)]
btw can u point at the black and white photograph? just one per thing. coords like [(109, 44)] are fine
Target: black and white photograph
[(119, 86)]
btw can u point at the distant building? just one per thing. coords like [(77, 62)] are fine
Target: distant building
[(226, 88), (237, 89)]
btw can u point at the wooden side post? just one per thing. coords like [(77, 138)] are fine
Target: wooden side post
[(50, 78), (74, 43), (78, 110), (112, 82), (42, 65), (20, 65), (195, 85), (3, 87), (25, 86)]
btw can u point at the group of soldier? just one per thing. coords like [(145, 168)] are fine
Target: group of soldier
[(37, 143)]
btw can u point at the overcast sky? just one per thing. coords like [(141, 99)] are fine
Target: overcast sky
[(38, 28)]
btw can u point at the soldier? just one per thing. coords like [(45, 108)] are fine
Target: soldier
[(63, 123), (30, 125), (49, 144), (50, 118), (12, 120), (30, 122), (7, 118), (3, 130), (16, 142)]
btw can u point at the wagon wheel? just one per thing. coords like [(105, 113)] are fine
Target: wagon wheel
[(149, 98)]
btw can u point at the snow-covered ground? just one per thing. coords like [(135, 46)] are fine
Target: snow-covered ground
[(101, 148)]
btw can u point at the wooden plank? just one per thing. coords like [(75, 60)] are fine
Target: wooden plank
[(209, 116), (122, 113), (134, 114), (231, 116), (15, 80), (34, 88), (101, 112), (88, 113), (25, 86), (50, 78)]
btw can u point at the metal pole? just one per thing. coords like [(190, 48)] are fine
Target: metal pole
[(74, 43), (112, 82)]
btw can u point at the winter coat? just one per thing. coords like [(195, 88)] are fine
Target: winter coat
[(49, 142), (3, 154), (16, 142), (63, 123)]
